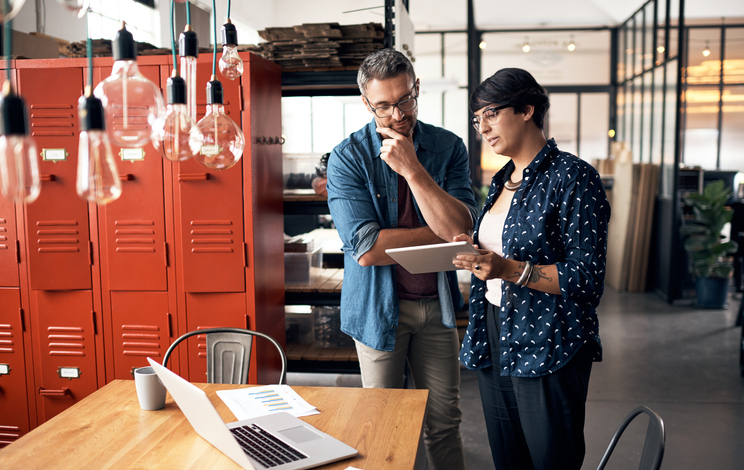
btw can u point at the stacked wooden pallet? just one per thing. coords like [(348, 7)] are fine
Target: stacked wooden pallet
[(633, 199), (320, 45), (102, 48)]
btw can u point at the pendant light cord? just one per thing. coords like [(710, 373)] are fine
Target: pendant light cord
[(188, 12), (173, 31), (7, 39), (89, 50), (228, 9), (214, 34)]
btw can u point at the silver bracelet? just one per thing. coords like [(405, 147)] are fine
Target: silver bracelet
[(525, 274)]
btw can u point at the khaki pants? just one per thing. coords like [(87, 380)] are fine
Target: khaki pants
[(432, 353)]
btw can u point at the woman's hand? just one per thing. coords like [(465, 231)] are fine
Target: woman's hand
[(481, 265)]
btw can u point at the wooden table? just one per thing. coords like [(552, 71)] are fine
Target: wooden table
[(109, 430)]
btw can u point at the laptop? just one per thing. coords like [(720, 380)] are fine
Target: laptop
[(278, 441), (430, 258)]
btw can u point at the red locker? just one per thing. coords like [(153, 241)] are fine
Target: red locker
[(64, 347), (264, 217), (142, 327), (210, 311), (14, 419), (10, 256), (57, 222), (133, 240), (209, 212)]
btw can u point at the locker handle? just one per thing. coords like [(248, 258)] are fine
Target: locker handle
[(54, 393), (169, 317), (193, 176), (49, 177), (126, 177), (23, 320), (18, 251)]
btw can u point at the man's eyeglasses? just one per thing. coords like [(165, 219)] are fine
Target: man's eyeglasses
[(408, 104), (489, 115)]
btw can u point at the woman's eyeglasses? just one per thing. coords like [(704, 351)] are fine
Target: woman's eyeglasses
[(489, 115)]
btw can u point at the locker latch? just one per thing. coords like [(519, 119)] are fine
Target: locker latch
[(68, 372), (4, 369)]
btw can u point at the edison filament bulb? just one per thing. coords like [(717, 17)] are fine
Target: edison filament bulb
[(133, 104), (19, 167), (178, 139), (222, 139), (188, 50), (231, 65), (97, 176)]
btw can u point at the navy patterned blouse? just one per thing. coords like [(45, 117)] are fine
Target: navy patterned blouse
[(559, 215)]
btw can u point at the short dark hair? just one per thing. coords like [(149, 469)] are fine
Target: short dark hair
[(383, 64), (512, 86)]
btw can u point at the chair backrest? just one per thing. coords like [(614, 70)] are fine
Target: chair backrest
[(653, 447), (229, 353)]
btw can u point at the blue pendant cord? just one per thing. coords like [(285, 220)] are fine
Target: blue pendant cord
[(214, 34), (89, 52), (228, 9), (172, 31), (7, 38)]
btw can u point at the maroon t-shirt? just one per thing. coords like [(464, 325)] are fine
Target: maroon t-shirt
[(411, 286)]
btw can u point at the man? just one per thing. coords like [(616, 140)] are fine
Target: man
[(399, 182)]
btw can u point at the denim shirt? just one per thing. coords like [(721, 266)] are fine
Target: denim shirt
[(559, 215), (362, 197)]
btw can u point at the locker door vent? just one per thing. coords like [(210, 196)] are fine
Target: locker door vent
[(66, 341), (9, 434), (55, 120), (6, 338), (135, 236), (141, 340), (212, 236), (57, 236)]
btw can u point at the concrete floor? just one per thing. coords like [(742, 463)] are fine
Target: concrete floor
[(680, 361)]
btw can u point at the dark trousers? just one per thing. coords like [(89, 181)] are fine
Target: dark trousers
[(535, 423)]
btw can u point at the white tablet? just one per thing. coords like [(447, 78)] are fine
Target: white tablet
[(430, 258)]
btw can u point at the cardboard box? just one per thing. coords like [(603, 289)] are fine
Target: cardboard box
[(32, 46)]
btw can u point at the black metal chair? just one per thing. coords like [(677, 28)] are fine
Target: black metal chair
[(653, 447), (229, 353)]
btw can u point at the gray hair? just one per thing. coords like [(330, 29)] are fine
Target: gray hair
[(383, 64)]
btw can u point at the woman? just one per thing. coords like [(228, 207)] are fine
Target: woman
[(542, 238)]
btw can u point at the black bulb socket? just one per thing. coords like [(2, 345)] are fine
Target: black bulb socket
[(214, 92), (188, 44), (229, 35), (91, 114), (13, 116), (176, 90), (124, 47)]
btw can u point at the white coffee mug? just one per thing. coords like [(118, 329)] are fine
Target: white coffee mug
[(150, 391)]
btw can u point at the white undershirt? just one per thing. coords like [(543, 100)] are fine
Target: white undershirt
[(490, 238)]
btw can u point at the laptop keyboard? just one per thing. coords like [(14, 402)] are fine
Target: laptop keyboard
[(264, 447)]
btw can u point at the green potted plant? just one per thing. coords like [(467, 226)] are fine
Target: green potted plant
[(707, 251)]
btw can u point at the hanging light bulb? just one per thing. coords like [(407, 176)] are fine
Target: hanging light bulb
[(482, 45), (223, 141), (231, 65), (97, 176), (526, 45), (188, 50), (133, 104), (706, 51), (571, 45), (19, 168), (79, 7), (179, 139), (12, 7)]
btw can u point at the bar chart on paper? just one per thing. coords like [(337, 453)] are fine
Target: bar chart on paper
[(250, 402)]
